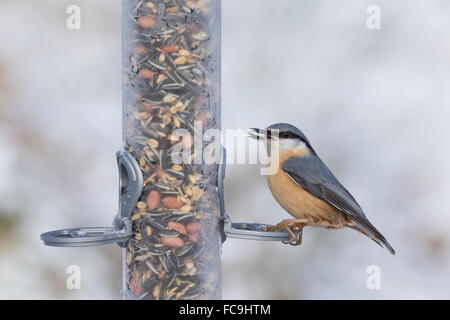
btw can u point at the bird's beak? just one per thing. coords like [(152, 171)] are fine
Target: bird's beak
[(257, 134)]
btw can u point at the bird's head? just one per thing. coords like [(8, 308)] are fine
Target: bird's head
[(282, 136)]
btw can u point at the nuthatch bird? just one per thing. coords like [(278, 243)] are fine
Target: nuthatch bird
[(305, 187)]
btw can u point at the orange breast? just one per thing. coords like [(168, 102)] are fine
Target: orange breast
[(299, 202)]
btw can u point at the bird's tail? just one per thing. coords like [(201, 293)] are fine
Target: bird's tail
[(370, 231)]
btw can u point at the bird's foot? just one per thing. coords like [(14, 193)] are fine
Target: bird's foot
[(291, 226)]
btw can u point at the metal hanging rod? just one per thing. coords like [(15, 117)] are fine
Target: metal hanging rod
[(130, 189), (244, 230)]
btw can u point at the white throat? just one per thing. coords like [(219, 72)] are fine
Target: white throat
[(291, 145)]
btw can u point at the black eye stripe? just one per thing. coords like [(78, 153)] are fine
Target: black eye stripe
[(288, 135), (282, 134)]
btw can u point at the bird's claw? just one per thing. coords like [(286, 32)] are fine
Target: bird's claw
[(290, 227), (276, 227)]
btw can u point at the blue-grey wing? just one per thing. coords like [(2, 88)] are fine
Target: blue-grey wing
[(314, 176)]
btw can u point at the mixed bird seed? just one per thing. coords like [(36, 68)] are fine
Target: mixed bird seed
[(172, 80)]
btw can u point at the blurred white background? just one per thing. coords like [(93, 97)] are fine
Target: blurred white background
[(374, 104)]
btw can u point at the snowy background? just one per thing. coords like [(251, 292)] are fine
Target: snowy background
[(374, 103)]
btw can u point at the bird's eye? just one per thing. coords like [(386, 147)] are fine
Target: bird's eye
[(288, 135)]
